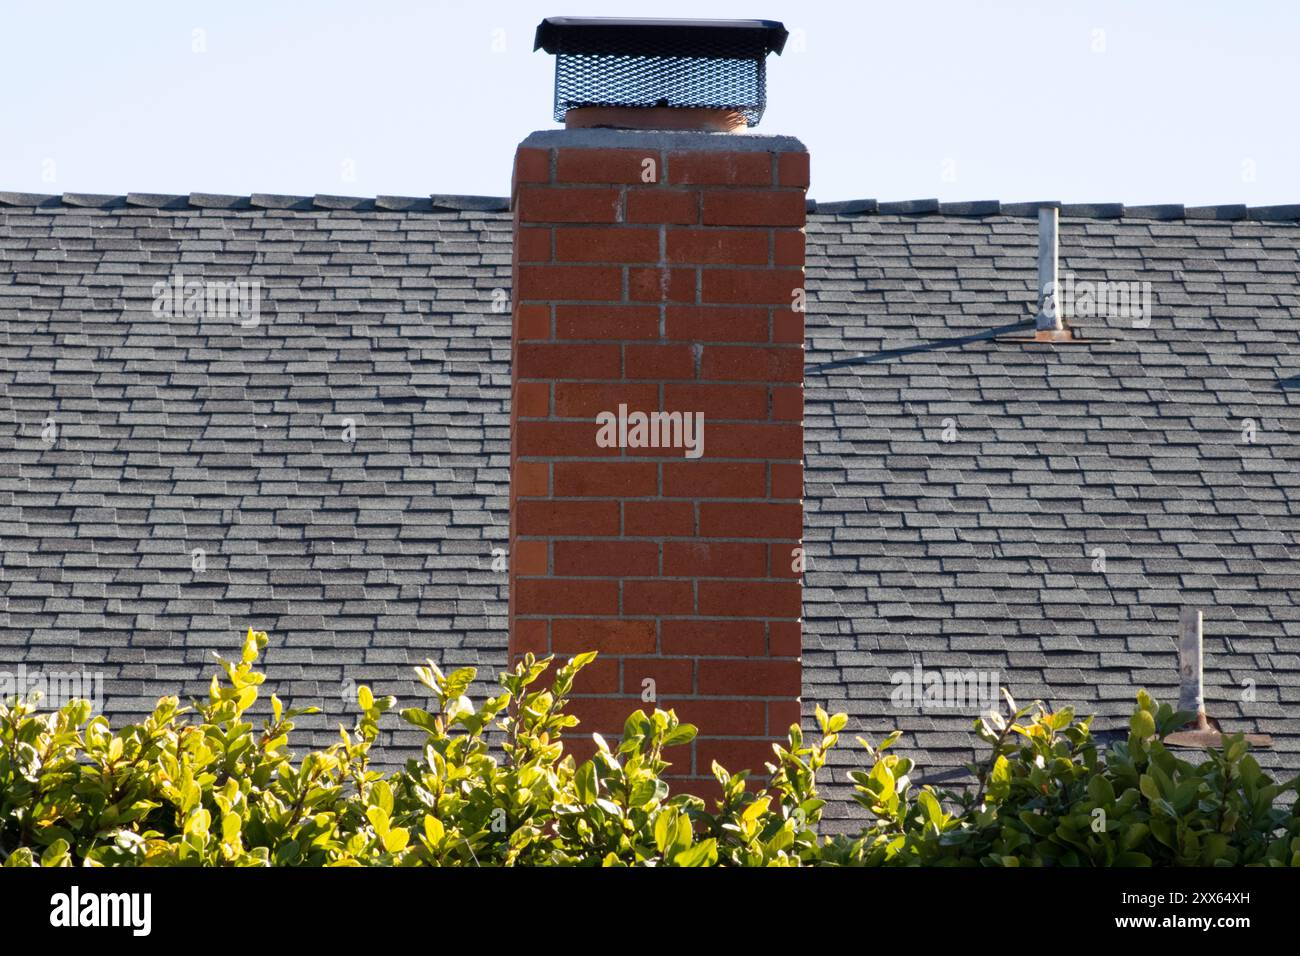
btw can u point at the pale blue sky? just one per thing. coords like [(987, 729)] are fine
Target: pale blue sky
[(1188, 101)]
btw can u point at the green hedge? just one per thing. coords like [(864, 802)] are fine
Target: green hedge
[(208, 788)]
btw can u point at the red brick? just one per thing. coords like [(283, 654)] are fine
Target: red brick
[(729, 638), (568, 361), (577, 636), (787, 480), (753, 441), (724, 519), (712, 479), (534, 517), (598, 677), (532, 165), (669, 676), (735, 754), (613, 479), (767, 286), (750, 598), (716, 324), (740, 207), (658, 362), (792, 169), (788, 248), (678, 772), (574, 204), (606, 558), (564, 596), (532, 399), (533, 245), (781, 560), (615, 322), (731, 246), (706, 788), (720, 169), (771, 678), (719, 716), (717, 402), (784, 638), (788, 327), (606, 244), (580, 748), (666, 206), (660, 285), (530, 479), (752, 363), (588, 399), (532, 321), (601, 715), (658, 598), (787, 403), (530, 557), (714, 559), (659, 519), (529, 636), (781, 715), (550, 282), (602, 165), (715, 335), (536, 439), (669, 451)]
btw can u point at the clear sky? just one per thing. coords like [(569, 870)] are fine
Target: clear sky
[(1159, 101)]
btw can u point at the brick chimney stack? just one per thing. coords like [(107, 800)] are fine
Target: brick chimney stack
[(658, 302)]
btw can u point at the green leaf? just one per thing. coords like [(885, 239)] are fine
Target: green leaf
[(56, 854), (647, 790), (586, 783), (704, 853), (1150, 789), (1142, 724), (681, 734), (378, 819), (933, 812), (420, 718), (665, 828), (395, 840), (999, 779)]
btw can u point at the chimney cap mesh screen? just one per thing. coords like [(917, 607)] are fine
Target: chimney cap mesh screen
[(642, 63)]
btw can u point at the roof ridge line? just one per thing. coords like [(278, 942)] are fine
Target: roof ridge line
[(453, 202), (436, 202), (1097, 210)]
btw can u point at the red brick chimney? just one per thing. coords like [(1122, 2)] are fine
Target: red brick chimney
[(656, 429)]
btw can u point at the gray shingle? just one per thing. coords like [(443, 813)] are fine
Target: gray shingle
[(364, 559)]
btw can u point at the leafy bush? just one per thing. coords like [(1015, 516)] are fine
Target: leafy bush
[(206, 788), (1049, 796)]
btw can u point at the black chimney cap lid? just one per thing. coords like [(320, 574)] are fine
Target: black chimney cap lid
[(598, 34)]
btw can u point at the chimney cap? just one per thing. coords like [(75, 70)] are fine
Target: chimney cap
[(627, 35), (642, 67)]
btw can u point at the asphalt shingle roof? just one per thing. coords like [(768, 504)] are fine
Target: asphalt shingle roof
[(958, 485)]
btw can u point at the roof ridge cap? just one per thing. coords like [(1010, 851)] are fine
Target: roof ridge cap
[(980, 209), (443, 202), (201, 200)]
